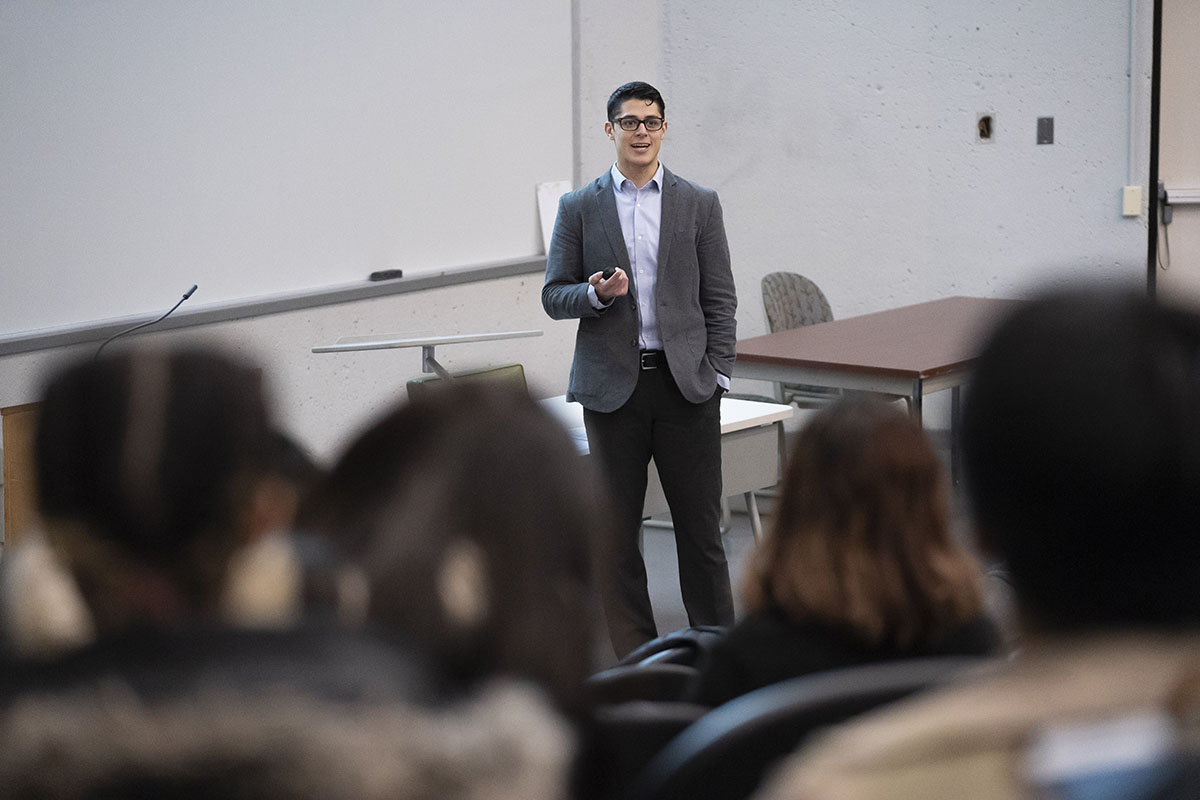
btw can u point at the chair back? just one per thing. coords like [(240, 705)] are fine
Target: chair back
[(662, 681), (625, 736), (726, 753), (684, 646), (793, 301)]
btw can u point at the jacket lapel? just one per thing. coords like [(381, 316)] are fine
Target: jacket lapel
[(666, 225), (606, 210)]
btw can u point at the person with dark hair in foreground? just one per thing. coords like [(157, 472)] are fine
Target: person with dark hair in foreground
[(1082, 455), (859, 565), (476, 524), (474, 519), (153, 469)]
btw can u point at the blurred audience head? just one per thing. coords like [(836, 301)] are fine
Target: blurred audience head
[(861, 538), (293, 468), (150, 473), (284, 575), (1082, 455), (472, 515)]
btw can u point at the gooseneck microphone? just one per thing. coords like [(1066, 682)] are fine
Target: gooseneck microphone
[(141, 325)]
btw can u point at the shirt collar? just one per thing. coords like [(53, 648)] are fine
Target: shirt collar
[(618, 177)]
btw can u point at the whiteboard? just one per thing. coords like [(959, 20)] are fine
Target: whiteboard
[(260, 148)]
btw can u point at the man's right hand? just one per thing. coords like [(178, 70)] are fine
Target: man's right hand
[(607, 289)]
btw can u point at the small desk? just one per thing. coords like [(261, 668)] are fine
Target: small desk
[(910, 351), (750, 436)]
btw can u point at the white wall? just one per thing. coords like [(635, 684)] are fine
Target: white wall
[(323, 398), (841, 138)]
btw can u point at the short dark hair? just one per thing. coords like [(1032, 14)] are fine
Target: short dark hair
[(1081, 445), (634, 90)]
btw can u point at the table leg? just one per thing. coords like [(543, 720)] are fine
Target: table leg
[(755, 519)]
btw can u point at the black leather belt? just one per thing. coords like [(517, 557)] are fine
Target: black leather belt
[(653, 359)]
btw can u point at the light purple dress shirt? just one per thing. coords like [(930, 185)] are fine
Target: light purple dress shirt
[(640, 212)]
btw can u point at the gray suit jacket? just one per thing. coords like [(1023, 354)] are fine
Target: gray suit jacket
[(695, 295)]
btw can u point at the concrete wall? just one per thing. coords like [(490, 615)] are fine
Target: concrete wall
[(323, 398), (841, 137)]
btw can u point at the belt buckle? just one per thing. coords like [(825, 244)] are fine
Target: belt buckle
[(649, 360)]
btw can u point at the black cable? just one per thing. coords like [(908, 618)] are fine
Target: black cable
[(139, 326), (1166, 239)]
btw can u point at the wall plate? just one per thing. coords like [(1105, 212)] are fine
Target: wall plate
[(1045, 130)]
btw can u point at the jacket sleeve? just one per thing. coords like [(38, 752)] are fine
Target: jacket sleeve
[(565, 295), (718, 294)]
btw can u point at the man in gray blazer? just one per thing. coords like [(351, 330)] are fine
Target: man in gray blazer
[(639, 256)]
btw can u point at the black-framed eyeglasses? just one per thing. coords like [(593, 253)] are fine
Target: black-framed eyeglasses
[(631, 123)]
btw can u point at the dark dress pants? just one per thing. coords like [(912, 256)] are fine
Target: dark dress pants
[(685, 441)]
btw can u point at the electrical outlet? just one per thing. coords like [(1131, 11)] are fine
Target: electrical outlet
[(985, 127), (1131, 201)]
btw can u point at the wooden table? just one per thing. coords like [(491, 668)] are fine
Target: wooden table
[(910, 351)]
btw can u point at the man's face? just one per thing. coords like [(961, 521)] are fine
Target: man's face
[(637, 150)]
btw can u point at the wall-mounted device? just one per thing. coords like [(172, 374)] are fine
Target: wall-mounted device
[(985, 127)]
